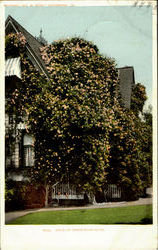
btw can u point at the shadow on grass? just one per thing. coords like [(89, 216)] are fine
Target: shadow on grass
[(144, 221)]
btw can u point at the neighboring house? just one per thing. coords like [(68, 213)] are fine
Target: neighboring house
[(21, 154)]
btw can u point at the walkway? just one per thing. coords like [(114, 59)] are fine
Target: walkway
[(142, 201)]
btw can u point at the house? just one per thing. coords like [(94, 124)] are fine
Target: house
[(21, 154)]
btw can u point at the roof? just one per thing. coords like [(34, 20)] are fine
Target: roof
[(12, 67), (33, 45)]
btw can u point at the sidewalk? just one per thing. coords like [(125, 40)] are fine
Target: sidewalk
[(142, 201)]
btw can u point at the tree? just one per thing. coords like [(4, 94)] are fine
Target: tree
[(138, 98), (82, 133), (146, 143), (143, 124)]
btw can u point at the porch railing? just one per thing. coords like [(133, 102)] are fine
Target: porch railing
[(66, 191)]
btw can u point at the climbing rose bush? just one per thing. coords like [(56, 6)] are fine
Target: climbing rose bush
[(82, 133)]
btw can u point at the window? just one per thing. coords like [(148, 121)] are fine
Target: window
[(28, 143)]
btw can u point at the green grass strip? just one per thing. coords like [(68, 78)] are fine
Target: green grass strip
[(119, 215)]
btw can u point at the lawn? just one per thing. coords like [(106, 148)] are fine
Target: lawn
[(119, 215)]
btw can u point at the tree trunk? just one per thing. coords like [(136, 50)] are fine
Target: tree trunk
[(91, 198), (46, 196)]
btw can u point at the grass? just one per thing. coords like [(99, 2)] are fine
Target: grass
[(121, 215)]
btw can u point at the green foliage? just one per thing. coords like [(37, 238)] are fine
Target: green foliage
[(14, 45), (14, 195), (138, 98), (146, 146), (9, 193), (82, 134), (125, 156)]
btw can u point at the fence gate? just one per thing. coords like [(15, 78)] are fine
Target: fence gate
[(112, 192)]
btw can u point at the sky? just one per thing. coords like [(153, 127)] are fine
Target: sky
[(121, 32)]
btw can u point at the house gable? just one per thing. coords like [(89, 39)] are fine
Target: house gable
[(32, 44)]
